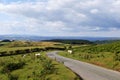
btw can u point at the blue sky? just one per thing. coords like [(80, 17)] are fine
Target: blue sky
[(91, 18)]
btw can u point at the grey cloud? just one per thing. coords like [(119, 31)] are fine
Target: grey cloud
[(70, 15)]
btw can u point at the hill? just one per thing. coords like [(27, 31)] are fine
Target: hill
[(71, 41), (105, 55)]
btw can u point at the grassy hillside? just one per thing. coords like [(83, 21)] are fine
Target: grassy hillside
[(106, 55), (24, 65), (105, 41), (27, 44), (30, 67)]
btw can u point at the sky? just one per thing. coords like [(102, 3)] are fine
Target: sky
[(91, 18)]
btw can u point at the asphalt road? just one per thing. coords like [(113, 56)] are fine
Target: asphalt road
[(85, 70)]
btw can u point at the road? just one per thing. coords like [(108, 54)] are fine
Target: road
[(85, 70)]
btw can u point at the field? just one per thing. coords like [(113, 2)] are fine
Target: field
[(18, 60), (23, 47), (30, 67), (27, 66), (105, 55)]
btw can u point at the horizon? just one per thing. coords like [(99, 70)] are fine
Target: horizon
[(89, 18), (20, 35), (42, 38)]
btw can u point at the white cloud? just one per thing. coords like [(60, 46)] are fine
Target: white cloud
[(62, 16), (94, 11)]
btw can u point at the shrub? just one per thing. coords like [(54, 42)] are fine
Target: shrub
[(54, 48), (20, 52), (12, 66), (117, 56), (3, 53), (11, 52), (27, 50), (13, 77), (48, 68)]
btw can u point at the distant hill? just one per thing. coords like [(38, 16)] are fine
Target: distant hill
[(6, 40), (39, 38), (105, 41), (71, 41)]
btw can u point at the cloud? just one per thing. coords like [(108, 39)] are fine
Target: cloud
[(94, 11), (62, 16)]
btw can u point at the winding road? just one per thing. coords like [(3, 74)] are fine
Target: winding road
[(85, 70)]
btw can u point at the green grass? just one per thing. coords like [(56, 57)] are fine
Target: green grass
[(33, 67), (20, 45), (63, 72), (105, 55), (104, 59), (4, 43)]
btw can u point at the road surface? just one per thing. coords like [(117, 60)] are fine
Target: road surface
[(85, 70)]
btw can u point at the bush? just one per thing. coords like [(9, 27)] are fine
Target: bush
[(54, 48), (35, 49), (3, 53), (117, 56), (12, 66), (48, 68), (20, 52), (27, 50), (11, 52), (13, 77)]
